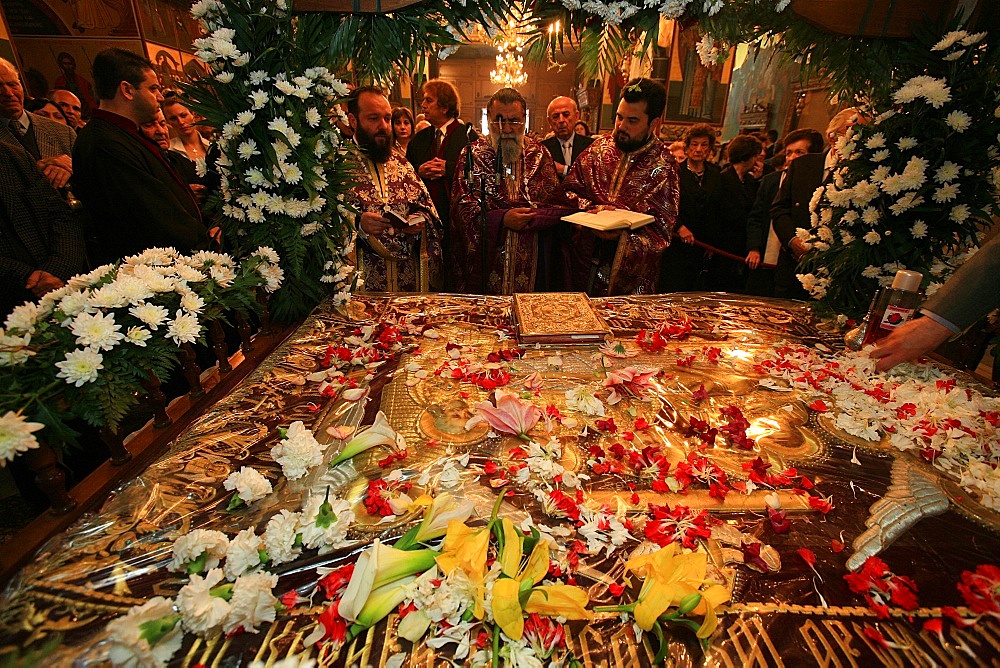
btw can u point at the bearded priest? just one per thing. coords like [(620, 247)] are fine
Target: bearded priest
[(521, 251), (631, 169), (398, 228)]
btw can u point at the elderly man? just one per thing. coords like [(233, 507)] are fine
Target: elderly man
[(135, 197), (516, 254), (398, 227), (565, 145), (434, 151), (47, 142), (790, 209), (158, 132), (71, 106), (631, 169)]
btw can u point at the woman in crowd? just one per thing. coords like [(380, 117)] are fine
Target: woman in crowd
[(402, 128), (46, 109)]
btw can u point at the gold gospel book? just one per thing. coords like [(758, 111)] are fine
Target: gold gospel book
[(557, 317), (610, 219)]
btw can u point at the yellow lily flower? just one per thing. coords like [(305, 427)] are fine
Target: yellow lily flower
[(465, 548), (669, 577), (507, 611), (559, 601), (711, 598)]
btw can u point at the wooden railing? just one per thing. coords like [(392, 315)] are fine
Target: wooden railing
[(131, 454)]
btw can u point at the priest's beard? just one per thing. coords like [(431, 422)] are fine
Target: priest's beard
[(376, 146), (509, 148), (626, 143)]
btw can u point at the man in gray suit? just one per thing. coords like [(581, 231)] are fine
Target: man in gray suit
[(48, 142), (565, 145)]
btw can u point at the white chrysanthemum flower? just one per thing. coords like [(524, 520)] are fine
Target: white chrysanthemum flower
[(285, 87), (245, 118), (954, 55), (960, 213), (871, 271), (870, 216), (247, 149), (258, 77), (279, 537), (138, 336), (267, 253), (872, 237), (80, 366), (127, 644), (880, 155), (846, 237), (950, 39), (273, 275), (905, 203), (919, 229), (231, 130), (195, 544), (877, 140), (849, 217), (258, 99), (249, 483), (224, 77), (958, 120), (202, 613), (152, 315), (948, 171), (184, 328), (974, 38), (243, 553), (16, 435), (192, 302), (14, 350), (935, 91), (252, 602), (313, 117), (23, 318), (906, 143), (946, 193), (291, 172)]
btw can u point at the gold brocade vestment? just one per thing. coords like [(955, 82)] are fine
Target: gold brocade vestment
[(645, 181), (399, 263)]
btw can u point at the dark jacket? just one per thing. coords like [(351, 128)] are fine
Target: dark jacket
[(580, 143), (790, 209), (135, 199), (37, 229), (759, 219)]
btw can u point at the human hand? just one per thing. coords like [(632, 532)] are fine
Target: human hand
[(601, 207), (798, 248), (609, 235), (41, 282), (215, 234), (515, 219), (753, 259), (57, 169), (685, 235), (374, 223), (432, 169), (909, 341), (200, 192)]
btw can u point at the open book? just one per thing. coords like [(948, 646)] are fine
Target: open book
[(610, 219)]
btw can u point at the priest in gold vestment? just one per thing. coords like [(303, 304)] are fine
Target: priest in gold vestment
[(524, 249), (631, 169), (398, 228)]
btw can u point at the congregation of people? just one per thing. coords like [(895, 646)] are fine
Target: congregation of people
[(439, 207)]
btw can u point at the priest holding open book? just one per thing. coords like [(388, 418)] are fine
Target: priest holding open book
[(632, 170)]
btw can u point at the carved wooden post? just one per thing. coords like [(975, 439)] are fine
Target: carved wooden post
[(189, 367), (263, 297), (51, 480), (156, 400), (218, 339), (243, 327), (116, 446)]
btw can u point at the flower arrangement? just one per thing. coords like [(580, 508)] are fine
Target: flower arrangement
[(282, 166), (915, 185), (83, 350)]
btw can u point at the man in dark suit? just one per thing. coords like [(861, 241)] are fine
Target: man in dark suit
[(790, 209), (762, 245), (48, 142), (434, 153), (135, 197), (41, 242), (565, 145)]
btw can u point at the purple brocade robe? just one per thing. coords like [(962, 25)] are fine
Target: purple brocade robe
[(645, 181), (511, 259), (395, 184)]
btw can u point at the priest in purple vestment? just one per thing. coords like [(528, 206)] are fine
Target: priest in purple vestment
[(631, 169), (398, 228), (520, 251)]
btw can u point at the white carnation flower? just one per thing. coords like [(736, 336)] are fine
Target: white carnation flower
[(298, 452), (333, 533), (191, 546), (252, 602), (279, 537), (128, 647), (202, 613), (80, 366), (249, 483), (243, 553)]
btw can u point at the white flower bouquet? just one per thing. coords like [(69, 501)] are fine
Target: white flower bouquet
[(84, 350), (915, 185)]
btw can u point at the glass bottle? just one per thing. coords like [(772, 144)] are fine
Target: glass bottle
[(895, 305), (854, 339)]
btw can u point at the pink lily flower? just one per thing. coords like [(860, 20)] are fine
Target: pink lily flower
[(510, 415), (628, 382)]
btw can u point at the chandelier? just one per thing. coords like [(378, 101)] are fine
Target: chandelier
[(509, 71)]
